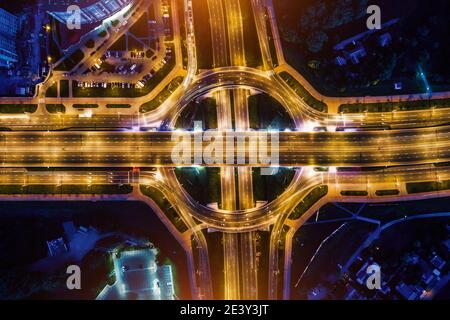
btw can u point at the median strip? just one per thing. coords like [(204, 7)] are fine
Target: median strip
[(303, 93)]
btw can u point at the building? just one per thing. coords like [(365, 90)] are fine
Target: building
[(407, 292), (353, 294), (438, 262), (341, 61), (447, 245), (9, 25), (77, 242), (428, 277), (385, 39), (56, 247), (138, 277), (318, 293), (96, 12), (166, 282), (356, 53)]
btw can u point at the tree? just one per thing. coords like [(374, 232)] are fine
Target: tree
[(316, 41), (290, 35)]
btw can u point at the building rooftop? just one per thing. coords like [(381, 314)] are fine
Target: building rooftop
[(139, 277), (96, 12)]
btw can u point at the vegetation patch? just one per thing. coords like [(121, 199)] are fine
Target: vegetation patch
[(90, 44), (320, 38), (64, 88), (54, 38), (71, 61), (392, 192), (272, 47), (265, 112), (354, 193), (120, 44), (269, 187), (55, 108), (52, 91), (202, 29), (157, 196), (203, 184), (303, 93), (253, 54), (394, 106), (204, 110), (308, 201), (18, 108), (65, 189), (118, 106), (162, 96), (85, 106), (428, 186)]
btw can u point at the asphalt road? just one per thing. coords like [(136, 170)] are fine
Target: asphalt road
[(148, 149)]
